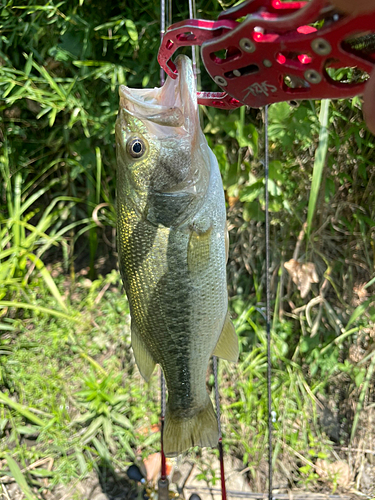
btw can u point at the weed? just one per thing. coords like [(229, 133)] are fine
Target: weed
[(70, 389)]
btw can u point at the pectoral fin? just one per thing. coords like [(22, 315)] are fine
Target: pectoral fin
[(227, 345), (199, 250), (143, 357)]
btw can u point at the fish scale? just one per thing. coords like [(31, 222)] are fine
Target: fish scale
[(172, 251)]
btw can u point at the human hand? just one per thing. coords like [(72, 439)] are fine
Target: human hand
[(354, 6)]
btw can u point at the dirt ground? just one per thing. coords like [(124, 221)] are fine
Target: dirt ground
[(108, 485)]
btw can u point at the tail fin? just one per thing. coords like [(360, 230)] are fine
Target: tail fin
[(181, 434)]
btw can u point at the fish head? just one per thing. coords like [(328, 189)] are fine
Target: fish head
[(160, 145)]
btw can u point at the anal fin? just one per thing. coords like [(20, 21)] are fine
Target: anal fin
[(227, 345), (143, 357)]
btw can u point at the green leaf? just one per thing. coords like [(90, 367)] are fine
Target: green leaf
[(125, 444), (41, 473), (279, 112), (275, 169), (7, 328), (107, 429), (81, 419), (151, 439), (92, 430), (102, 449), (369, 372), (22, 410), (42, 70), (132, 30), (320, 158), (305, 469), (52, 117), (359, 377), (36, 308), (252, 192), (27, 430), (359, 311), (20, 478), (48, 280), (81, 461), (29, 63), (122, 420), (253, 211)]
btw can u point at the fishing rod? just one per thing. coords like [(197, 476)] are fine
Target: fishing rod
[(163, 483), (268, 303)]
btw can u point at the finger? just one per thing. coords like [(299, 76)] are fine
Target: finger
[(354, 6)]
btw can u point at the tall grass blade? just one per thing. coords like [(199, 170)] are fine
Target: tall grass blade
[(362, 396), (59, 90), (36, 308), (359, 311), (34, 231), (371, 282), (16, 209), (20, 478), (92, 429), (81, 461), (102, 450), (22, 410), (48, 280), (94, 364), (319, 162)]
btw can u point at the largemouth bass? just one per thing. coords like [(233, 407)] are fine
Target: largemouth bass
[(173, 246)]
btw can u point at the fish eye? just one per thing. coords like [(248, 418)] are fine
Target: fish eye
[(136, 147)]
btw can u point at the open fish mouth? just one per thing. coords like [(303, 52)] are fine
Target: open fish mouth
[(173, 105)]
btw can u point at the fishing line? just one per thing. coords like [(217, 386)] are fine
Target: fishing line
[(162, 32), (169, 13), (163, 482), (268, 304), (193, 58)]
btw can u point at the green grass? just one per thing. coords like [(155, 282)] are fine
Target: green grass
[(69, 387), (71, 391), (66, 387)]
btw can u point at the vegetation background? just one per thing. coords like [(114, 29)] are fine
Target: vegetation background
[(71, 400)]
